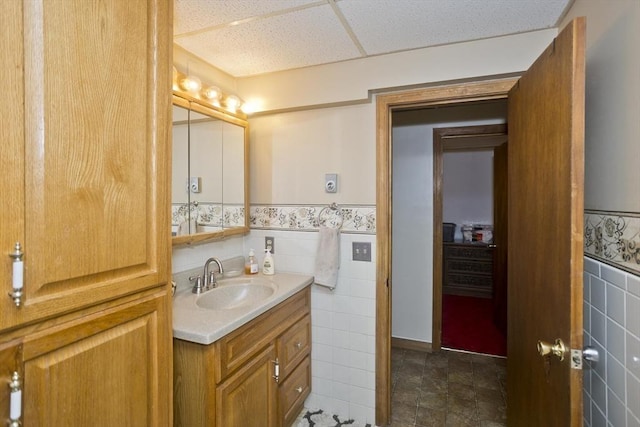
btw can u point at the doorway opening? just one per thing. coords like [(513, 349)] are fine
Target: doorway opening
[(470, 190), (459, 94)]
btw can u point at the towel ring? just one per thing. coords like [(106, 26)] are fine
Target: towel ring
[(331, 216)]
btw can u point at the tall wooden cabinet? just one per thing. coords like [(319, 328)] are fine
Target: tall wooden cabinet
[(85, 164)]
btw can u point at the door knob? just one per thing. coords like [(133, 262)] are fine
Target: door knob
[(557, 349), (591, 354)]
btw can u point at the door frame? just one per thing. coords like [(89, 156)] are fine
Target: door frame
[(447, 139), (446, 94)]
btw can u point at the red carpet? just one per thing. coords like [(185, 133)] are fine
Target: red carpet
[(467, 324)]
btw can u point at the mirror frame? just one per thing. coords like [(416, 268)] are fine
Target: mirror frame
[(186, 100)]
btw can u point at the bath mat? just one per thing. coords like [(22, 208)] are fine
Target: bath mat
[(318, 418)]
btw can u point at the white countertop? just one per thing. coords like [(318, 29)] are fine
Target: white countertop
[(205, 326)]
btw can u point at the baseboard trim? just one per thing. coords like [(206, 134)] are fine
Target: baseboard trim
[(411, 344)]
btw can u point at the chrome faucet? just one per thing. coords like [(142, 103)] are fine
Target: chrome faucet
[(210, 276)]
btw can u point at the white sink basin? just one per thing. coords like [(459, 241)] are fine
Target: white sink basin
[(236, 293)]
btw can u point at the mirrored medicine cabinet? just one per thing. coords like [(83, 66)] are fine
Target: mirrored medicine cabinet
[(210, 176)]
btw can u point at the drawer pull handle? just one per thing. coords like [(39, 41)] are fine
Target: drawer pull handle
[(276, 370), (15, 411), (299, 390), (298, 345), (18, 275)]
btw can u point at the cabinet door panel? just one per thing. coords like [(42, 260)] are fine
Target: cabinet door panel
[(10, 362), (248, 398), (96, 114), (12, 143), (104, 370)]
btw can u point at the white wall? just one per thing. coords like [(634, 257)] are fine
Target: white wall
[(612, 129), (467, 188), (412, 238), (292, 152)]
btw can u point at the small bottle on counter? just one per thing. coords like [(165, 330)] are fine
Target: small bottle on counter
[(268, 267), (251, 267)]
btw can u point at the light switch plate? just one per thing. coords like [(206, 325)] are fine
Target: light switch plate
[(361, 251)]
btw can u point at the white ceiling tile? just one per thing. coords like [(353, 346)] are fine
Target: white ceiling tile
[(245, 37), (193, 15), (384, 26), (296, 39)]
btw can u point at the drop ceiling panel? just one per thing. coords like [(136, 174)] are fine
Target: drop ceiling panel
[(384, 26), (296, 39), (247, 37), (194, 15)]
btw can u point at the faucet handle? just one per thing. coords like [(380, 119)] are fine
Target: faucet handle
[(197, 288), (212, 280)]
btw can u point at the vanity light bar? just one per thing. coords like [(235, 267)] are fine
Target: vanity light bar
[(212, 94)]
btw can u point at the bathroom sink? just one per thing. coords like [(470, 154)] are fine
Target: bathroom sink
[(236, 293)]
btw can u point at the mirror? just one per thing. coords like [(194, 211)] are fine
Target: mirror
[(210, 173)]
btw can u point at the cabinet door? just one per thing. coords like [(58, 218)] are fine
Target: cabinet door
[(10, 364), (94, 191), (107, 369), (11, 143), (248, 397)]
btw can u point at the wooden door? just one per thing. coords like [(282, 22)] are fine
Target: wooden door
[(500, 236), (248, 397), (91, 193), (545, 266)]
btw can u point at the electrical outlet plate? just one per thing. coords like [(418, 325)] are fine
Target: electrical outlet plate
[(270, 243), (331, 183), (193, 184), (361, 251)]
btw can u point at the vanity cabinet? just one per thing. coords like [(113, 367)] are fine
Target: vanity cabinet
[(467, 269), (85, 135), (257, 375)]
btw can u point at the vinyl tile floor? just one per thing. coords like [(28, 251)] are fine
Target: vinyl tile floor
[(447, 388)]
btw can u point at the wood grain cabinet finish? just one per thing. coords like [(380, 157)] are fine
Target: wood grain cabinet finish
[(85, 158), (467, 270), (231, 382)]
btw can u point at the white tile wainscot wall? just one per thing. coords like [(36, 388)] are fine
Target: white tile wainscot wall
[(343, 322), (612, 326)]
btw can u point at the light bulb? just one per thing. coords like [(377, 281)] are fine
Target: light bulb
[(191, 84), (212, 93), (232, 102)]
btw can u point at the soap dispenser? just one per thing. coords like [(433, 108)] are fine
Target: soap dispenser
[(252, 265), (268, 267)]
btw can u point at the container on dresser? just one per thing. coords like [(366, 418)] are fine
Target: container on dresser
[(85, 184), (467, 269)]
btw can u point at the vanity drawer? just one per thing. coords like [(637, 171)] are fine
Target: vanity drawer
[(294, 345), (293, 391), (234, 349)]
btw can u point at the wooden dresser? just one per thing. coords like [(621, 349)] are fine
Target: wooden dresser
[(467, 269)]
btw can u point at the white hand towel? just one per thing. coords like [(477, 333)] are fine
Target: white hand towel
[(328, 257)]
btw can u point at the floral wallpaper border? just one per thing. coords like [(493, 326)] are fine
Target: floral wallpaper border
[(209, 214), (355, 218), (613, 238)]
